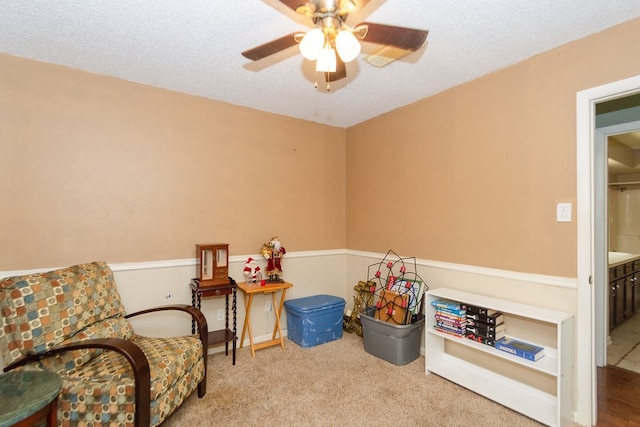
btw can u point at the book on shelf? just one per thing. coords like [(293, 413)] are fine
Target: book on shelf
[(453, 329), (480, 310), (451, 311), (450, 323), (485, 333), (486, 326), (453, 306), (520, 348), (450, 317), (447, 331), (481, 339), (491, 319)]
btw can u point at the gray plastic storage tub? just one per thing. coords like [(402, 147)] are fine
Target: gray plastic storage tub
[(398, 344), (314, 320)]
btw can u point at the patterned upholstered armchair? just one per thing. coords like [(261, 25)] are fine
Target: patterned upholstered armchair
[(71, 321)]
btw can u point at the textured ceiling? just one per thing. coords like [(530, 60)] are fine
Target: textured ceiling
[(194, 46)]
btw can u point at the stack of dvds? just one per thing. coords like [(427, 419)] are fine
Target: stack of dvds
[(484, 325), (450, 317)]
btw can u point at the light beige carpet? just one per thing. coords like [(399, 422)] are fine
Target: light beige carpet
[(333, 384)]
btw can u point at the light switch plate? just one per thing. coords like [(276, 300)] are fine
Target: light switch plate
[(564, 212)]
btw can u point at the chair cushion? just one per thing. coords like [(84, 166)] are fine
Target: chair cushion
[(103, 390), (117, 327), (43, 310)]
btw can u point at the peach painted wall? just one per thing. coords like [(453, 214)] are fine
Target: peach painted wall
[(473, 175), (93, 167), (96, 168)]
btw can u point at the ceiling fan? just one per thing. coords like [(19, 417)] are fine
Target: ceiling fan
[(331, 34)]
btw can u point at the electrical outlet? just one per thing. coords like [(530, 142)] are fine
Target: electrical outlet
[(221, 314), (268, 305)]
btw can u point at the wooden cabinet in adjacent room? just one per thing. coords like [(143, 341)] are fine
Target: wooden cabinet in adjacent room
[(624, 291)]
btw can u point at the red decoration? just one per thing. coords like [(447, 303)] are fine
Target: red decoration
[(391, 282), (401, 283)]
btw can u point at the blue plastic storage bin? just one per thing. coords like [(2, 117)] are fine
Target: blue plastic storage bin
[(314, 320)]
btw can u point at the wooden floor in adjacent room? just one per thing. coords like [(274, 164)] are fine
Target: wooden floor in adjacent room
[(618, 397)]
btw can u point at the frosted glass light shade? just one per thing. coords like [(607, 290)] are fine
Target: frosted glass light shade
[(347, 45), (311, 44), (326, 60)]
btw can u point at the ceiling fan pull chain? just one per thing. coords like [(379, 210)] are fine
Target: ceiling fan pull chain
[(326, 76), (315, 86)]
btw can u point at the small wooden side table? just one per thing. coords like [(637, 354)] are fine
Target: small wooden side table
[(248, 291), (27, 397), (220, 336)]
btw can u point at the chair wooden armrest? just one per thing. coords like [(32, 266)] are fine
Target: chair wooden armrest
[(130, 351)]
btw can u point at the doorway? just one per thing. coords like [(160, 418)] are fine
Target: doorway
[(591, 259), (623, 135)]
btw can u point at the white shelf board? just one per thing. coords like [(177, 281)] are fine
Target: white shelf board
[(524, 310), (547, 364), (528, 400)]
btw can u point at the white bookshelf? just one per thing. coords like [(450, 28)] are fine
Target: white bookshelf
[(503, 377)]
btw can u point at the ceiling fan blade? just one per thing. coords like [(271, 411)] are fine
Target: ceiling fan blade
[(400, 37), (271, 47), (340, 73), (361, 4)]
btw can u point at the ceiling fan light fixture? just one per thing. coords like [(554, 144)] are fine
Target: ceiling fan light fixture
[(347, 45), (312, 43), (326, 62)]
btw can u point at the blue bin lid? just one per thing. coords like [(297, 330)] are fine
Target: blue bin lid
[(314, 303)]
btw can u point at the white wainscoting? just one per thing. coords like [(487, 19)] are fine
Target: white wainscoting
[(151, 284), (333, 272)]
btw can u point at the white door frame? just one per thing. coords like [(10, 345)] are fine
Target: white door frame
[(586, 100)]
